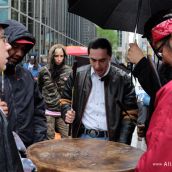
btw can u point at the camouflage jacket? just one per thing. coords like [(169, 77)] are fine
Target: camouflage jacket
[(51, 90)]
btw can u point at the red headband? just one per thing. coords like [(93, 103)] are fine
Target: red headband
[(161, 30)]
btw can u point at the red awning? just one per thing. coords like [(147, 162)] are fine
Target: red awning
[(76, 50)]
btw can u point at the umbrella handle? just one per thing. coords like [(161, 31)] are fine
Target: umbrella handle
[(129, 64), (138, 15), (70, 130)]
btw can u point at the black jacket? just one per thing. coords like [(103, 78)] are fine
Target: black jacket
[(119, 97), (9, 156), (146, 77), (26, 106), (149, 82)]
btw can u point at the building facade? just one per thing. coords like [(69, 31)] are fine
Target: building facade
[(49, 22)]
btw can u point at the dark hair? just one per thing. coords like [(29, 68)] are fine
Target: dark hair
[(155, 20), (100, 43)]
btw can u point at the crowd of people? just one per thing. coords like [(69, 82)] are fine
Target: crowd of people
[(95, 101), (33, 66)]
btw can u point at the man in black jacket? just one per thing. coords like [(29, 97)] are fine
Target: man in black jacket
[(9, 157), (25, 104), (103, 99)]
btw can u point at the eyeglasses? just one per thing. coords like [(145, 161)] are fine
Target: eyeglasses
[(4, 38), (158, 50)]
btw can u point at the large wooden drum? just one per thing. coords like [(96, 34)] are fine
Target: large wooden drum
[(83, 155)]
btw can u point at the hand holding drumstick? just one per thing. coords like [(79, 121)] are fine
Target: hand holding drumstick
[(70, 116)]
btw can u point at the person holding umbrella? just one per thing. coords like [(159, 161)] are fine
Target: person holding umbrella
[(103, 98), (158, 30)]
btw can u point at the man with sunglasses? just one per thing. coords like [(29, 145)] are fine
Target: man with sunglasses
[(26, 111), (158, 30)]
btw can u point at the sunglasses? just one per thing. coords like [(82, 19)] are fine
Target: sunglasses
[(158, 51)]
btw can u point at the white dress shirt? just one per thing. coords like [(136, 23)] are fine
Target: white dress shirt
[(95, 113)]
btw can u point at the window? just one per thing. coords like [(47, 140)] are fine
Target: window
[(30, 25), (14, 4), (23, 6), (3, 13), (23, 20), (14, 14), (30, 8), (4, 2)]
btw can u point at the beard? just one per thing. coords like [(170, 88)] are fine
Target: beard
[(10, 69), (11, 64)]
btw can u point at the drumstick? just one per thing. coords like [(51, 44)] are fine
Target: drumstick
[(70, 125), (74, 68)]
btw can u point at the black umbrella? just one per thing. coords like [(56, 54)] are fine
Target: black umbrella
[(124, 15)]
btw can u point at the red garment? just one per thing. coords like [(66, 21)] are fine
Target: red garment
[(161, 30), (158, 157)]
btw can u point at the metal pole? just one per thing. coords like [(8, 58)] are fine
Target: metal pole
[(137, 17)]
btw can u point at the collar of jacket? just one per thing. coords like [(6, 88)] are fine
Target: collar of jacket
[(106, 77)]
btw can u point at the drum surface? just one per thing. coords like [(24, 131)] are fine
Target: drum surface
[(83, 155)]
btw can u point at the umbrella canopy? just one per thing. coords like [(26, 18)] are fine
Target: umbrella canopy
[(118, 14), (76, 50)]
